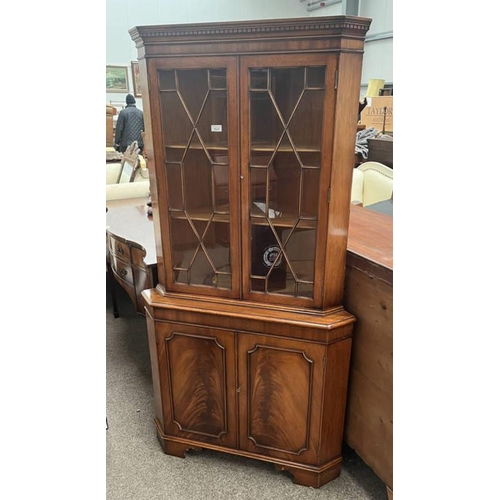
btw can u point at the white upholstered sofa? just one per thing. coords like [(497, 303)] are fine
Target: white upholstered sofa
[(371, 182)]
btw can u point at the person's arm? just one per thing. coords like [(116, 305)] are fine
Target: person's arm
[(141, 143), (120, 123)]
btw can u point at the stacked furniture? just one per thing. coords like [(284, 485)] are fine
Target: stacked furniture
[(250, 131)]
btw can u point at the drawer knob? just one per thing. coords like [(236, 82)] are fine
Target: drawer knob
[(120, 250), (123, 272)]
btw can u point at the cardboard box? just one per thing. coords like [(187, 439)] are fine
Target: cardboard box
[(110, 112), (373, 114)]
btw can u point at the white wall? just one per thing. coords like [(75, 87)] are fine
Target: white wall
[(336, 9), (377, 61), (121, 15)]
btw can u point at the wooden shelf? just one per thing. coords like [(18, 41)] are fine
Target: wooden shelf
[(284, 222), (202, 215), (256, 149), (197, 146)]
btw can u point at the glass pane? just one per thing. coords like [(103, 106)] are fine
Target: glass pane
[(221, 179), (181, 276), (265, 126), (218, 79), (212, 125), (213, 256), (167, 79), (201, 272), (177, 127), (316, 77), (195, 132), (193, 87), (221, 239), (288, 182), (286, 85), (306, 290), (285, 161), (310, 192), (197, 171), (258, 79), (307, 123), (174, 154), (174, 182), (266, 255), (300, 250), (310, 158), (184, 245), (258, 184), (260, 158)]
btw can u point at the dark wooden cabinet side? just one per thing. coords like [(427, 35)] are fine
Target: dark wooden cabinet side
[(242, 362)]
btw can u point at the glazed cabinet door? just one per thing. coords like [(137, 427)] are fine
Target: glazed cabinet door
[(280, 394), (198, 385), (194, 101), (286, 141)]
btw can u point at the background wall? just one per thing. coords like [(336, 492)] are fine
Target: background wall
[(122, 15), (377, 61)]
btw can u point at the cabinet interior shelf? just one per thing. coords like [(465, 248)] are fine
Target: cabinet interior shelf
[(284, 221), (269, 148)]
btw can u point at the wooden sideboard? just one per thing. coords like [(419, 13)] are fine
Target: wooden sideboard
[(369, 296)]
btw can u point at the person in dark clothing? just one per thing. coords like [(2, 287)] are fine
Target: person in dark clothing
[(129, 125)]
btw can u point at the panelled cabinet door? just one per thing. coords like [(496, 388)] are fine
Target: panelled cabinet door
[(286, 142), (280, 391), (198, 383), (197, 172)]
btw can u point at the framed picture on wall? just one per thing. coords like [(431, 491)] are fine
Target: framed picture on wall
[(136, 79), (117, 79)]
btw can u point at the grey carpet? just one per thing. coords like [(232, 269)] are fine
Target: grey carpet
[(137, 468)]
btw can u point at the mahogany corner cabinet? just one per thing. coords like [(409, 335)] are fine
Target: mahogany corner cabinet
[(250, 134)]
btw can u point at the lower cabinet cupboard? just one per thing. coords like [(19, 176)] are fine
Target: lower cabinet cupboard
[(241, 380)]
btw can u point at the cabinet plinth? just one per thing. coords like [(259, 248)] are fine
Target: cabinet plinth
[(250, 132)]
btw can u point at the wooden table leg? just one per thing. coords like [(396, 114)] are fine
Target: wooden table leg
[(112, 286)]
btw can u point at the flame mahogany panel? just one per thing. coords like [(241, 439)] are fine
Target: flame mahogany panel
[(198, 381)]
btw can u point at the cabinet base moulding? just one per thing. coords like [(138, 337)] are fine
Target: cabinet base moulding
[(303, 474)]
